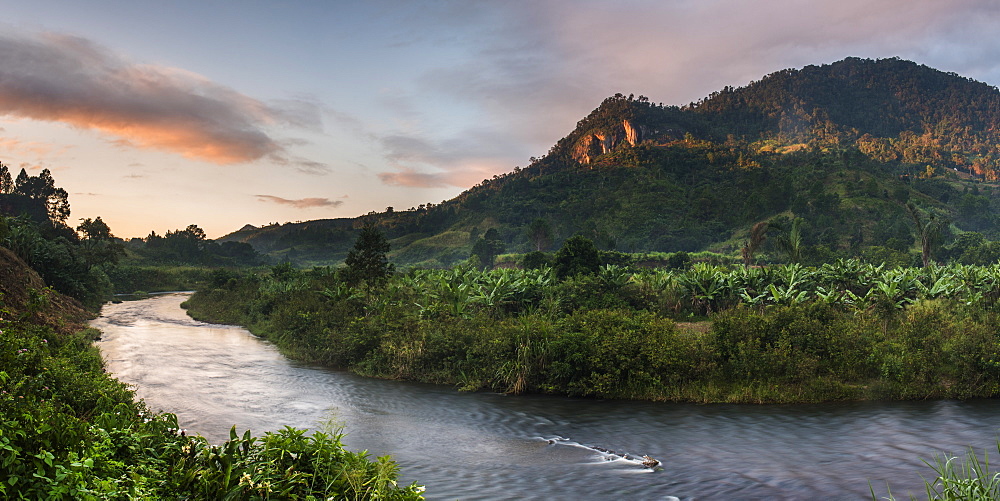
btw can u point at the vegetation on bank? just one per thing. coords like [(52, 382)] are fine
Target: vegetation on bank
[(70, 431), (846, 330)]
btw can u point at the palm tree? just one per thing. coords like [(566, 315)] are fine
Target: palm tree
[(758, 234), (791, 243), (928, 230)]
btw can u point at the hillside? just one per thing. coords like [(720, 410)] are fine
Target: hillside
[(24, 296), (843, 146)]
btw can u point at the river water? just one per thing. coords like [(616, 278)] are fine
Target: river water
[(491, 446)]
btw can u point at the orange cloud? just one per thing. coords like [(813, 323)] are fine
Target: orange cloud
[(35, 148), (72, 80)]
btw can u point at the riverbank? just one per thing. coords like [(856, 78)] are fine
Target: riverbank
[(586, 337), (69, 430)]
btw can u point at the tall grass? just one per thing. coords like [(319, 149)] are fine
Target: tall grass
[(956, 480)]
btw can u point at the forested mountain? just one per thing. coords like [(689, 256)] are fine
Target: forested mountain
[(853, 158)]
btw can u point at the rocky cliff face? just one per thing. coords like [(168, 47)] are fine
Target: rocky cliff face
[(596, 143), (634, 134)]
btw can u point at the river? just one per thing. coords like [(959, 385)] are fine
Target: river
[(492, 446)]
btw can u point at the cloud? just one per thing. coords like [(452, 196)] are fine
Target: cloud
[(72, 80), (426, 162), (302, 203), (302, 165), (407, 176), (36, 148), (28, 166)]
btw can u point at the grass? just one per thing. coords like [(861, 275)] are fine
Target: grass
[(957, 480)]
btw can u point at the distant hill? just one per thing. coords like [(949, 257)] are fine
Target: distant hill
[(843, 146)]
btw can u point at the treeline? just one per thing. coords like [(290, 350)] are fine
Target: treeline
[(847, 330), (89, 263), (178, 260), (190, 246)]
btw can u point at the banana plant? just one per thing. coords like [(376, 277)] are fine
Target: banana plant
[(614, 276), (751, 282), (791, 274), (848, 274), (496, 289), (842, 297), (942, 286), (706, 287), (655, 281), (896, 289), (341, 292), (786, 294)]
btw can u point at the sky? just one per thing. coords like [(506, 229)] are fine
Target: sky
[(156, 115)]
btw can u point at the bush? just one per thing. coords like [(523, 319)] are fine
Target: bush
[(536, 260), (578, 256)]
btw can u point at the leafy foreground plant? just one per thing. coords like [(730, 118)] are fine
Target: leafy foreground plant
[(285, 465), (966, 481)]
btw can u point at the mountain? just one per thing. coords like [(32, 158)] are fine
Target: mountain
[(844, 147)]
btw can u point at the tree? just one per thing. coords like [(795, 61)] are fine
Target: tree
[(22, 180), (535, 260), (6, 183), (95, 229), (928, 231), (488, 248), (367, 261), (578, 256), (98, 245), (42, 188), (791, 244), (758, 234), (678, 260), (195, 232), (540, 233)]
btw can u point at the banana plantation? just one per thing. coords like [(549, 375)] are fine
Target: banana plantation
[(846, 330), (699, 291)]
